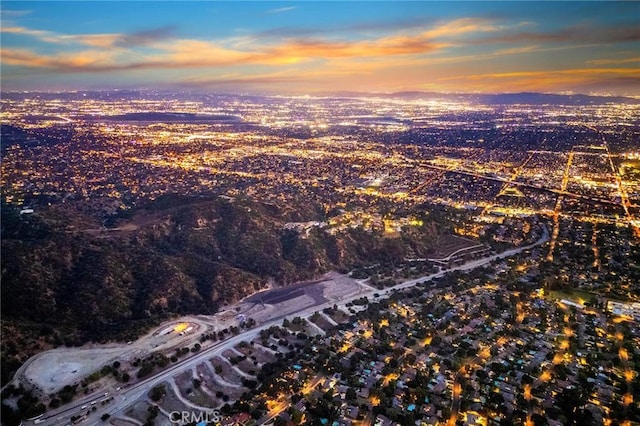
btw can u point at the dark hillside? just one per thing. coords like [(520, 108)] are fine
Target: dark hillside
[(175, 256)]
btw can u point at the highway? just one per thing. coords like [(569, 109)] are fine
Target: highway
[(558, 207), (137, 391)]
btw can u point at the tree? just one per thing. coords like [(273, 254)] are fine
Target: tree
[(145, 370), (157, 392)]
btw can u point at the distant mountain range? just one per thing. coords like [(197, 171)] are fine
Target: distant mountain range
[(526, 98)]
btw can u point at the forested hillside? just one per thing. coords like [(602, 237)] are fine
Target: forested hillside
[(62, 284)]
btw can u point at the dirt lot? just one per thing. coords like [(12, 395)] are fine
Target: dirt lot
[(53, 369), (278, 302), (50, 371)]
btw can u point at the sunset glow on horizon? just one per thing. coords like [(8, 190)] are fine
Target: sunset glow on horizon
[(323, 47)]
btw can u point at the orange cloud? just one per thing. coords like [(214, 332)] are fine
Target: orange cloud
[(95, 40), (580, 71), (24, 57), (567, 79), (25, 31), (615, 61), (83, 60), (188, 53), (374, 62), (386, 46)]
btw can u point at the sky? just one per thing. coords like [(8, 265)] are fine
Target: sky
[(309, 47)]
